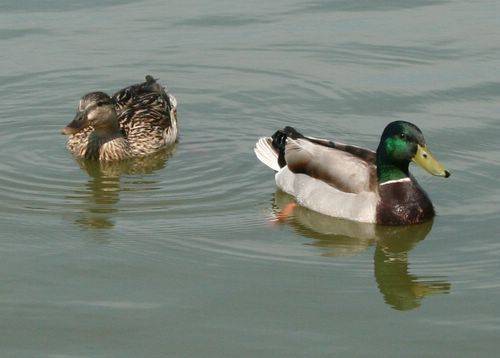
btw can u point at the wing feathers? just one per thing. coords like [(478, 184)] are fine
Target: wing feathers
[(266, 153), (342, 170)]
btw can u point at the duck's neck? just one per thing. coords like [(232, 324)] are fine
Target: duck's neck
[(107, 145), (388, 170)]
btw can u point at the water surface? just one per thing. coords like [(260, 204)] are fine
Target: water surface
[(176, 255)]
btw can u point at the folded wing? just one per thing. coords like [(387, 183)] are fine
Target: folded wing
[(341, 169)]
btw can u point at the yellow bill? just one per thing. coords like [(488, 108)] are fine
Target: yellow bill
[(426, 160)]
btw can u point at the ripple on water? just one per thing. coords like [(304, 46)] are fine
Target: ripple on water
[(205, 195), (39, 176)]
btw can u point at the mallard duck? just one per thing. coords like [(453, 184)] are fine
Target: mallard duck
[(136, 121), (351, 182)]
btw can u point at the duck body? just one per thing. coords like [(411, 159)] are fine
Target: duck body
[(136, 121), (345, 181)]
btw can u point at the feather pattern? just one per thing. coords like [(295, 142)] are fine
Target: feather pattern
[(266, 153), (342, 170), (147, 118), (329, 180), (324, 177)]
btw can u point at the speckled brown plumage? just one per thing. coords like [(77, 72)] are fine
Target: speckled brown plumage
[(146, 116)]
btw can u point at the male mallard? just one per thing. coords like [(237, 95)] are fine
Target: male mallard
[(138, 120), (351, 182)]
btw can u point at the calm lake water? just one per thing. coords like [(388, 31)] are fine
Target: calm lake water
[(176, 256)]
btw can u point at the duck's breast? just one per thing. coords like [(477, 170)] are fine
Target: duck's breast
[(403, 202)]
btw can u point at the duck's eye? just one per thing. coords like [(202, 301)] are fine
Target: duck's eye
[(402, 136), (99, 104)]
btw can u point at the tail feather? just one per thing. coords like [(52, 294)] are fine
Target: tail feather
[(266, 153)]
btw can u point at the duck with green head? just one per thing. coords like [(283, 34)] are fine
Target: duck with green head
[(351, 182)]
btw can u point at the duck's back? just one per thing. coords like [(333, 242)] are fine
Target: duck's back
[(146, 113)]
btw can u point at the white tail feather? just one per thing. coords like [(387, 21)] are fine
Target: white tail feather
[(266, 153)]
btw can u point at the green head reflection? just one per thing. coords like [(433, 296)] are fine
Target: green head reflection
[(401, 289)]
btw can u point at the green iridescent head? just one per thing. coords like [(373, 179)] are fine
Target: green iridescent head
[(402, 143)]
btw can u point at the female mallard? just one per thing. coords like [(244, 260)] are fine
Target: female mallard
[(351, 182), (138, 120)]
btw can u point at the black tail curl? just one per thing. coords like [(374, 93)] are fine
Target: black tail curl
[(279, 142)]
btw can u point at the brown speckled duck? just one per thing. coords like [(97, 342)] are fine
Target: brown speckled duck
[(136, 121), (351, 182)]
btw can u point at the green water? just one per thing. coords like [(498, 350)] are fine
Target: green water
[(176, 256)]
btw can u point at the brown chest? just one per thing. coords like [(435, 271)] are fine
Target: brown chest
[(403, 203)]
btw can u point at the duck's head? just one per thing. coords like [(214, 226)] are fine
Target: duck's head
[(402, 143), (95, 109)]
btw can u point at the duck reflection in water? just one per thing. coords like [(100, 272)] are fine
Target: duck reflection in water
[(337, 237), (99, 199)]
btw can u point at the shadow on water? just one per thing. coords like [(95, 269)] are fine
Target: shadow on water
[(401, 289), (99, 202)]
